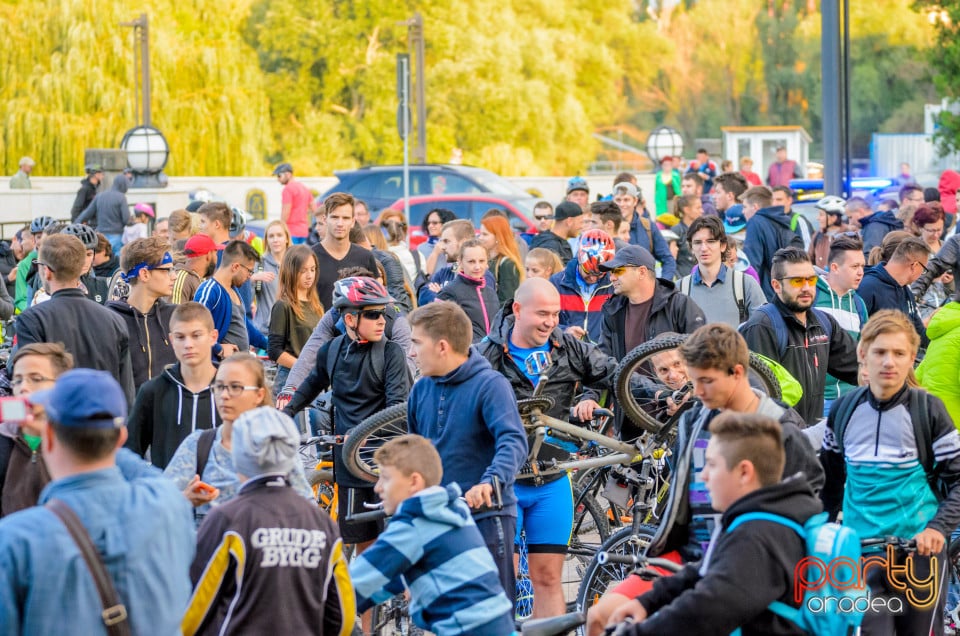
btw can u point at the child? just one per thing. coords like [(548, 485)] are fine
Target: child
[(471, 289), (542, 263), (142, 213), (745, 569), (431, 544), (179, 401)]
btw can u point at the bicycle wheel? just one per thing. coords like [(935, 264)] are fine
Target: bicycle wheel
[(597, 579), (324, 490), (641, 393), (590, 530), (393, 619), (368, 436)]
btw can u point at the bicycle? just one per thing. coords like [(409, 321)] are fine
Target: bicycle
[(318, 466)]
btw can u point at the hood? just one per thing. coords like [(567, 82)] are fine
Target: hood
[(120, 184), (879, 272), (777, 215), (948, 186), (884, 218), (440, 505), (268, 259), (475, 364), (837, 301), (132, 316), (791, 498), (944, 321)]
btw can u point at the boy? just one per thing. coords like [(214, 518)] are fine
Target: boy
[(179, 401), (892, 459), (431, 545), (282, 548), (746, 569)]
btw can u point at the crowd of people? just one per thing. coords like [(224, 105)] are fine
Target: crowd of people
[(140, 363)]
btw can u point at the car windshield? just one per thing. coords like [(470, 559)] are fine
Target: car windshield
[(492, 182)]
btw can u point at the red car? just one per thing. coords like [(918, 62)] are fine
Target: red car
[(466, 206)]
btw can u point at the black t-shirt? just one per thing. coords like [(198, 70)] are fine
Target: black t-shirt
[(329, 267), (635, 324)]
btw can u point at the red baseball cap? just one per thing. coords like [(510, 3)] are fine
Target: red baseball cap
[(199, 245)]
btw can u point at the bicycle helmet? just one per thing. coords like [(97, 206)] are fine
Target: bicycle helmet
[(359, 291), (144, 208), (37, 225), (832, 205), (204, 196), (596, 248), (86, 234), (238, 222)]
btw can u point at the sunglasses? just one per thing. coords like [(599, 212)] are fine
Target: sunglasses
[(620, 271), (546, 217), (373, 314), (797, 282)]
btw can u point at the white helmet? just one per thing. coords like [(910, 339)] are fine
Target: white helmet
[(832, 205)]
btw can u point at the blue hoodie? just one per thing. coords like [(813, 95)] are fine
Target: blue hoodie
[(471, 416), (879, 291), (768, 231), (874, 227), (433, 543), (109, 210)]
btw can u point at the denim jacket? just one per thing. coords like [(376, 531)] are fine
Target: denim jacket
[(141, 525)]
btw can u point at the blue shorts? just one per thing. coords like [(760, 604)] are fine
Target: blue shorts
[(545, 514)]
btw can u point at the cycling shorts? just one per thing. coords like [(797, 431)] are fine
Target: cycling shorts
[(357, 531), (633, 586), (545, 514)]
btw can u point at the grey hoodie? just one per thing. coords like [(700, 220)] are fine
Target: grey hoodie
[(266, 293), (109, 210)]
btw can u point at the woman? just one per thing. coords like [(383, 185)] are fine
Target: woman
[(928, 221), (470, 290), (430, 249), (240, 386), (666, 186), (504, 257), (689, 207), (265, 279), (296, 312), (396, 237)]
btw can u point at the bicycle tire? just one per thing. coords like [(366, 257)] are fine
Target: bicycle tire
[(368, 436), (317, 477), (589, 517), (598, 578), (640, 355)]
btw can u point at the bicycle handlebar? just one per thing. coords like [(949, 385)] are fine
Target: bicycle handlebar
[(553, 626), (897, 542), (363, 517), (602, 413), (325, 440), (637, 561)]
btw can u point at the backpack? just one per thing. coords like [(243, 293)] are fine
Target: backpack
[(687, 281), (204, 446), (797, 220), (645, 222), (780, 327), (837, 548), (6, 451)]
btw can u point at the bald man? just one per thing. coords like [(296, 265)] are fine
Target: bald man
[(526, 331)]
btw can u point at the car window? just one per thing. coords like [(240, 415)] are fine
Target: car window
[(482, 207), (380, 185), (451, 184), (461, 209)]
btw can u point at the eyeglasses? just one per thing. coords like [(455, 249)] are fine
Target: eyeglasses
[(234, 389), (38, 263), (797, 282), (925, 268), (620, 271), (932, 230), (33, 379), (711, 243), (246, 268), (166, 270), (373, 314), (546, 217)]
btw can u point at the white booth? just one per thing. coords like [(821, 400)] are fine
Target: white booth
[(760, 143)]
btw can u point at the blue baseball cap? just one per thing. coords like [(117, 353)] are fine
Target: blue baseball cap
[(577, 183), (733, 219), (84, 398)]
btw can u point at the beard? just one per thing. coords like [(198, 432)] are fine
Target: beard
[(795, 305)]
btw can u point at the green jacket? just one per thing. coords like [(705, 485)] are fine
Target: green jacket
[(22, 290), (939, 372), (850, 312), (20, 181), (660, 192)]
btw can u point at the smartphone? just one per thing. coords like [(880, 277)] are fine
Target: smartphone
[(14, 410), (205, 487)]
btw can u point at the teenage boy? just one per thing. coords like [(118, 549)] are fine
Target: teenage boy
[(452, 236), (611, 221), (23, 473), (221, 295), (215, 219), (432, 547), (95, 336), (366, 373), (469, 413), (567, 223), (723, 294), (147, 268), (892, 459), (283, 548), (179, 401), (201, 254), (746, 568), (717, 360), (335, 251)]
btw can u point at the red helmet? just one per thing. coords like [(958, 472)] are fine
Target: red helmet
[(359, 291), (596, 248)]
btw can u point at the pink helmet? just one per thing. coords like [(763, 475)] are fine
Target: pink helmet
[(144, 208), (596, 248)]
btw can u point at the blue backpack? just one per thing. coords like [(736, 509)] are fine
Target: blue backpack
[(780, 327), (831, 544)]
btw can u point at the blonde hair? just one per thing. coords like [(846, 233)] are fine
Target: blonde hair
[(254, 366), (545, 259), (411, 454)]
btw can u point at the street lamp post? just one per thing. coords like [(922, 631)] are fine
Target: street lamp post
[(146, 147), (834, 68)]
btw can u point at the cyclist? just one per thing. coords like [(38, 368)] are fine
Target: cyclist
[(529, 328), (97, 288), (892, 460), (584, 287), (27, 268)]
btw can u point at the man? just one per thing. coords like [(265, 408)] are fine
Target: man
[(201, 261), (856, 209), (887, 284), (148, 269), (666, 187), (21, 180), (162, 229), (488, 443), (782, 170), (215, 220), (543, 219), (579, 192), (585, 288), (873, 227), (87, 192), (24, 473), (109, 212), (529, 327), (806, 341), (362, 212), (692, 184), (95, 336), (335, 252), (643, 231), (783, 196), (727, 189), (717, 362), (30, 240), (768, 230), (725, 295), (704, 168), (643, 306), (568, 221), (45, 582), (96, 288), (837, 296), (221, 295), (892, 458), (297, 204), (911, 194)]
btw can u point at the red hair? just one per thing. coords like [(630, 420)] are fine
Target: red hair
[(506, 243)]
